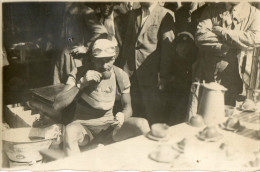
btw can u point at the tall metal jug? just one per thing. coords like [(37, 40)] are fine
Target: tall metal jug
[(211, 105)]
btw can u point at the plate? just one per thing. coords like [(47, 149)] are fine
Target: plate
[(215, 139), (246, 110), (176, 147), (223, 126), (150, 136), (153, 157)]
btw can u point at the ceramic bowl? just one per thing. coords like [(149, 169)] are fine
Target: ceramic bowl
[(196, 121), (209, 133), (159, 130), (19, 147), (164, 153)]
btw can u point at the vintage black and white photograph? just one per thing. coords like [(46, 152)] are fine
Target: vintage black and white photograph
[(152, 85)]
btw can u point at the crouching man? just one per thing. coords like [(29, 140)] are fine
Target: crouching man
[(100, 84)]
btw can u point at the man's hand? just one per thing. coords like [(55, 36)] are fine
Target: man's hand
[(91, 75), (217, 30), (120, 118), (78, 50)]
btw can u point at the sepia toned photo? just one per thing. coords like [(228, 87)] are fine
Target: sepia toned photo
[(144, 86)]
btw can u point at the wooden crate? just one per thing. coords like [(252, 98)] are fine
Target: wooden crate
[(17, 117)]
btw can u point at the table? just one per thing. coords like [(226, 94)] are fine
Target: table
[(133, 154)]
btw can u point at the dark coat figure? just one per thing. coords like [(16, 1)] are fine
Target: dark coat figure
[(178, 88), (186, 15), (147, 59)]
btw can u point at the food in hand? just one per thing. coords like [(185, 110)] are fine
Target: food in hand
[(197, 121), (159, 130), (106, 74), (248, 105)]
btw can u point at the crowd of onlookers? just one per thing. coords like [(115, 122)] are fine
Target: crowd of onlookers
[(163, 47)]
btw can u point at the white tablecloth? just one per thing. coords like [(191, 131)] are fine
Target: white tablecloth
[(133, 154)]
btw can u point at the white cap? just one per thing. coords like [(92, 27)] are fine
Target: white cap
[(104, 48)]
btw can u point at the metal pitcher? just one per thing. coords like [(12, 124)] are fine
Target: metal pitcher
[(211, 104)]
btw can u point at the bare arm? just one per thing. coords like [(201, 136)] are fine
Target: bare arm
[(205, 38), (247, 39), (126, 105)]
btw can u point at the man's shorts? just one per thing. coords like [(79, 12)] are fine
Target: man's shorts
[(90, 130), (92, 121)]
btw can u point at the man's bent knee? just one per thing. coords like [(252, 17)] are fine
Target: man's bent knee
[(74, 133)]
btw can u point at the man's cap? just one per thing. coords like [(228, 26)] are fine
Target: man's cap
[(184, 37), (104, 48)]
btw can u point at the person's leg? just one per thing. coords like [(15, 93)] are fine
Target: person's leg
[(75, 135), (132, 127), (230, 79)]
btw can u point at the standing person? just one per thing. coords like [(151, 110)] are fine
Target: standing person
[(178, 88), (113, 21), (147, 58), (184, 17), (81, 27), (226, 29), (124, 7), (100, 84)]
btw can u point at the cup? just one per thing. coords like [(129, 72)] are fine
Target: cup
[(159, 130), (165, 153), (196, 121)]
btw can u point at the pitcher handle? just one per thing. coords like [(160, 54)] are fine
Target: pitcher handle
[(196, 91)]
